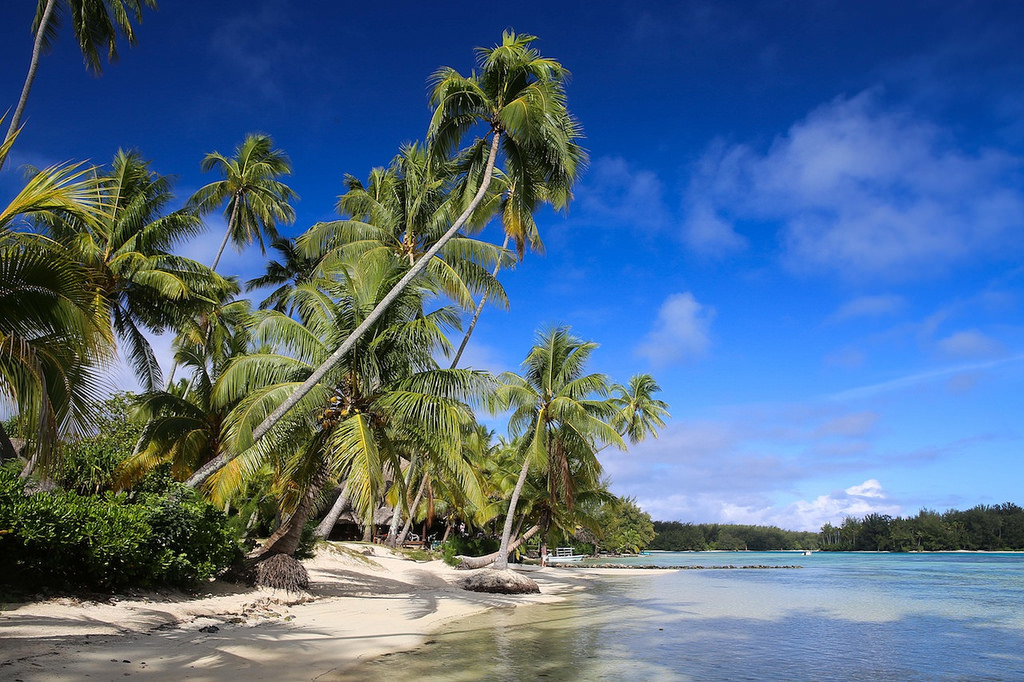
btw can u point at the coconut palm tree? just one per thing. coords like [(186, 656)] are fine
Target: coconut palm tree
[(96, 24), (53, 342), (137, 281), (182, 424), (404, 209), (295, 269), (385, 402), (256, 200), (561, 414), (519, 98)]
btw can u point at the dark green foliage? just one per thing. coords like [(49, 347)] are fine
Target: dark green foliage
[(624, 526), (87, 464), (62, 540), (999, 527), (457, 545), (695, 537)]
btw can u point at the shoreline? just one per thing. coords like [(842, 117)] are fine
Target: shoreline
[(359, 606)]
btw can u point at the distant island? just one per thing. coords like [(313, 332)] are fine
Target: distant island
[(980, 528)]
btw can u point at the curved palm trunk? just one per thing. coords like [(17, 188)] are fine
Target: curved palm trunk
[(227, 234), (331, 520), (285, 540), (492, 558), (412, 511), (506, 534), (213, 465), (476, 313), (37, 51)]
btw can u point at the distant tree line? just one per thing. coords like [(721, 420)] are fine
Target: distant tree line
[(683, 537), (998, 527)]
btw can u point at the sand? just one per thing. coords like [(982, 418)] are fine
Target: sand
[(358, 607)]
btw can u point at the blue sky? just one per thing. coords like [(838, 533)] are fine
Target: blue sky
[(806, 219)]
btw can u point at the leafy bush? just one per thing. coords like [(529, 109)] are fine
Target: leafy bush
[(457, 545), (88, 464), (63, 540)]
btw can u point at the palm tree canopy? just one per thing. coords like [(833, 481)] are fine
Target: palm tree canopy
[(256, 200), (138, 283), (96, 24), (518, 96), (405, 209)]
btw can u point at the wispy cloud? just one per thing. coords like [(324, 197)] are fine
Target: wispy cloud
[(861, 190), (970, 343), (682, 331), (912, 380), (868, 306)]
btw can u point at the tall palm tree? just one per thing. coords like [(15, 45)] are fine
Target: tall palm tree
[(53, 342), (96, 24), (561, 414), (385, 402), (519, 98), (137, 281), (638, 413), (256, 200)]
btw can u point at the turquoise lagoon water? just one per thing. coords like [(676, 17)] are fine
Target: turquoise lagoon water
[(841, 616)]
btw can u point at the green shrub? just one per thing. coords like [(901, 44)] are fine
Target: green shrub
[(62, 540), (457, 545)]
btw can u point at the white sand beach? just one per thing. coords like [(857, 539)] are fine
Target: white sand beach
[(357, 607)]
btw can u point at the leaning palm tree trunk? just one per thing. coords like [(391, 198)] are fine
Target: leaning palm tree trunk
[(37, 51), (493, 557), (476, 313), (227, 234), (412, 512), (331, 520), (506, 534), (213, 465), (285, 540)]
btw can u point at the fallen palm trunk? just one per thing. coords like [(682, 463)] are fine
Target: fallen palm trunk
[(488, 559)]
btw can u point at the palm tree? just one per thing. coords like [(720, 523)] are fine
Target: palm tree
[(53, 342), (96, 24), (295, 269), (138, 283), (638, 413), (519, 97), (554, 411), (183, 424), (385, 402), (256, 199), (405, 208)]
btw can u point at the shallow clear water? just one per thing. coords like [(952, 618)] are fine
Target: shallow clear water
[(841, 616)]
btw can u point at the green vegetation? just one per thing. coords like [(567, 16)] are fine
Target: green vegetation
[(333, 389), (63, 540), (697, 537), (992, 528)]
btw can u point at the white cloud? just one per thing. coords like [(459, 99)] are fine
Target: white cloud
[(970, 344), (869, 488), (681, 332), (708, 234), (619, 195), (868, 306), (861, 191)]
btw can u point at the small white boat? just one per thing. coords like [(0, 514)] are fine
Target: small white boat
[(564, 555), (807, 552)]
